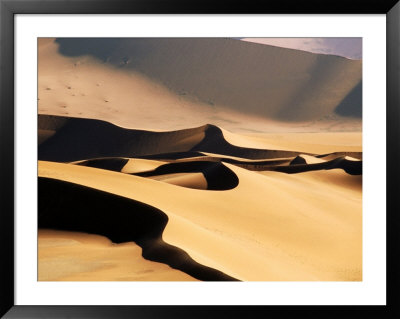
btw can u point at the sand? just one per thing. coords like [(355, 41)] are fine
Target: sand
[(95, 87), (313, 236), (157, 172), (71, 256)]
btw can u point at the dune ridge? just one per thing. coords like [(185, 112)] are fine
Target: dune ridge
[(217, 175), (81, 139), (68, 206), (317, 209)]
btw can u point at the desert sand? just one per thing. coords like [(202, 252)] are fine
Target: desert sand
[(158, 168), (69, 256)]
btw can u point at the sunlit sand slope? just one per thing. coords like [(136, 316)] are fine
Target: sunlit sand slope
[(171, 84), (281, 226), (265, 80), (64, 256), (122, 220)]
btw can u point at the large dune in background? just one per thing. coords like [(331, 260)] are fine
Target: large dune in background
[(160, 84), (265, 80)]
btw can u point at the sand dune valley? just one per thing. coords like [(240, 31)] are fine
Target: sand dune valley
[(197, 159)]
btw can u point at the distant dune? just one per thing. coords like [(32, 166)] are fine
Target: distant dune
[(170, 84), (279, 83)]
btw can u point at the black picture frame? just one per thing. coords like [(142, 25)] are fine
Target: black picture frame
[(9, 8)]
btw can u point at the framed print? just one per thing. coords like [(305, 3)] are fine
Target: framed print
[(166, 159)]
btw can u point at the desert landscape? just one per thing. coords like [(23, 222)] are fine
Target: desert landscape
[(197, 159)]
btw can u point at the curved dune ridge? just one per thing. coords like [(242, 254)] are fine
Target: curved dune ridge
[(302, 226), (187, 197), (68, 206), (216, 175), (78, 139)]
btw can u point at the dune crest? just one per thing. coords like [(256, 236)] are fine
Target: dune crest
[(89, 210), (78, 139), (272, 254)]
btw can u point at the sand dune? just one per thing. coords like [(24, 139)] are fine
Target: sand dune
[(247, 93), (187, 177), (197, 159), (317, 142), (79, 139), (122, 220), (310, 248), (299, 85), (190, 180), (217, 175)]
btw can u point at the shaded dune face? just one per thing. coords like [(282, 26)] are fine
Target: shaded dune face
[(115, 164), (172, 155), (217, 175), (81, 139), (103, 145), (214, 142), (68, 206), (299, 165), (277, 83), (351, 104)]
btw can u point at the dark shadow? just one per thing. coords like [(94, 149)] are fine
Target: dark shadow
[(68, 206), (350, 167), (82, 139), (101, 48), (172, 155), (214, 142), (352, 103), (298, 160), (115, 164), (217, 175)]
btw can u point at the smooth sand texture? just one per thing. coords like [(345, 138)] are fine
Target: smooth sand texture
[(227, 161), (190, 180), (82, 85), (140, 165), (71, 256), (265, 80), (316, 235), (318, 142)]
